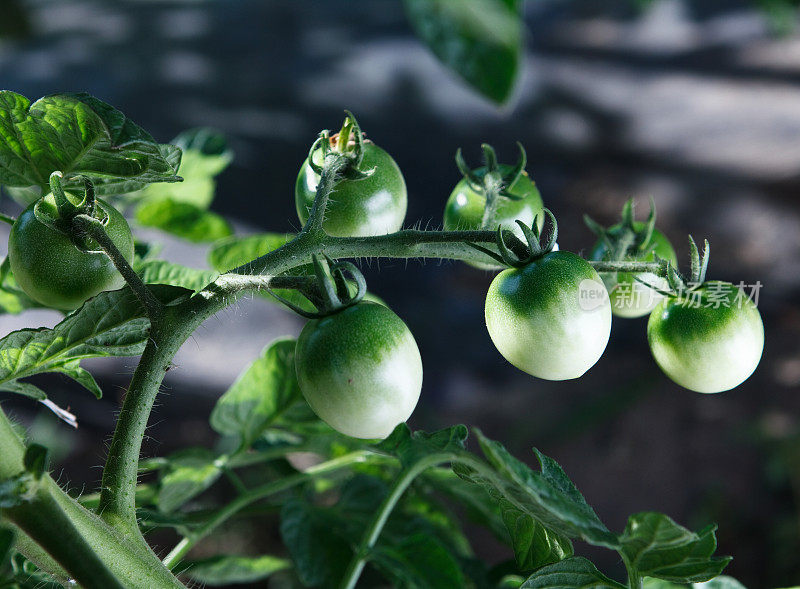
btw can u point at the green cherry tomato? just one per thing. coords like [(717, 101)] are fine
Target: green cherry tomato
[(550, 318), (360, 370), (708, 340), (464, 208), (630, 298), (372, 206), (52, 271)]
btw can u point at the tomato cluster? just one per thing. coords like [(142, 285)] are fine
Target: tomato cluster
[(549, 313)]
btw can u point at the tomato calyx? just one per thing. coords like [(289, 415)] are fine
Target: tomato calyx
[(347, 143), (678, 284), (627, 240), (516, 254), (330, 291), (492, 180), (61, 217)]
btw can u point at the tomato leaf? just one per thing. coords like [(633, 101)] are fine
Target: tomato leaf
[(77, 134), (721, 582), (164, 272), (110, 324), (412, 447), (319, 553), (205, 155), (25, 389), (80, 375), (479, 506), (233, 251), (658, 547), (571, 573), (534, 545), (266, 388), (189, 473), (419, 561), (182, 219), (227, 569), (547, 496), (480, 40)]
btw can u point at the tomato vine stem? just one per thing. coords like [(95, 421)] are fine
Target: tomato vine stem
[(95, 230), (256, 494)]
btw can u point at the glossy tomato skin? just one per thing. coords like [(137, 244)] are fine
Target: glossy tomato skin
[(52, 271), (703, 348), (629, 298), (464, 208), (360, 370), (544, 319), (372, 206)]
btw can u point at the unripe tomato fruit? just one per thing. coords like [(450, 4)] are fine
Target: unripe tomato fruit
[(630, 298), (360, 370), (544, 319), (375, 205), (464, 208), (52, 271), (703, 348)]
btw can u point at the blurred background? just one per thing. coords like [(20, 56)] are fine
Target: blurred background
[(693, 103)]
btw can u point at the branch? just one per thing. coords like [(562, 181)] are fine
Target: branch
[(81, 543), (120, 474), (95, 230), (334, 164), (630, 266), (245, 499)]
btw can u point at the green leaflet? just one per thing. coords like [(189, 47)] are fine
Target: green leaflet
[(183, 219), (78, 134), (572, 573), (205, 155), (189, 473), (548, 496), (419, 561), (480, 40), (164, 272), (227, 569), (182, 209), (266, 388), (110, 324), (658, 547), (411, 447)]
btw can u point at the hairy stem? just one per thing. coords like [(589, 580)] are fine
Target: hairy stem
[(94, 229), (403, 481), (253, 495), (334, 164), (375, 527), (630, 266), (492, 192), (120, 475), (39, 517), (73, 536), (7, 219)]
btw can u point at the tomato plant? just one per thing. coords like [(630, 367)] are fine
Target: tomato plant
[(313, 432)]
